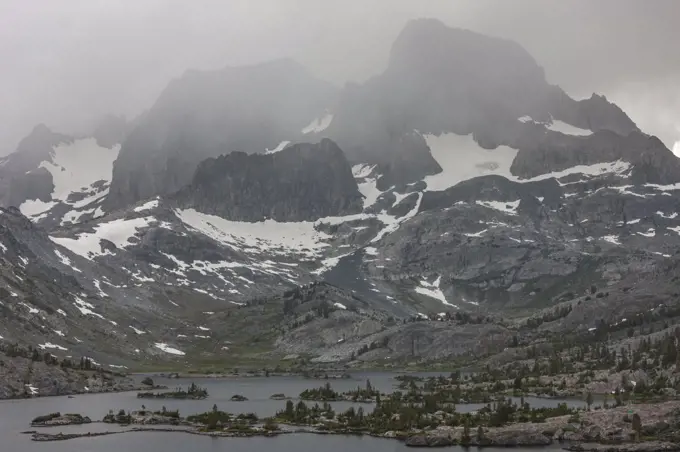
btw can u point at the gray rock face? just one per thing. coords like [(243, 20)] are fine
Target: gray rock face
[(300, 183), (441, 79), (652, 161), (207, 114), (20, 175)]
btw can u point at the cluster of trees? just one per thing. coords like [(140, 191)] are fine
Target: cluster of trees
[(551, 316), (35, 355), (324, 393), (396, 412), (193, 392)]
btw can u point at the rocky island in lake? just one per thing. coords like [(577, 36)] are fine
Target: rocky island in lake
[(193, 392)]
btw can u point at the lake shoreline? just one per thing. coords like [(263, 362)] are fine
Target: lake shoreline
[(569, 445)]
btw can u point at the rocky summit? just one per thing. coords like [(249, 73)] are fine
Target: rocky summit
[(447, 210)]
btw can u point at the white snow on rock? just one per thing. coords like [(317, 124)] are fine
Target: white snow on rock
[(618, 167), (30, 308), (558, 126), (167, 349), (367, 185), (49, 345), (669, 216), (137, 330), (34, 208), (339, 305), (461, 158), (328, 264), (279, 147), (3, 247), (77, 165), (280, 238), (567, 129), (74, 216), (118, 232), (147, 206), (33, 390), (611, 239), (362, 170), (651, 232), (509, 207), (66, 261), (319, 124), (476, 234), (432, 290), (85, 308)]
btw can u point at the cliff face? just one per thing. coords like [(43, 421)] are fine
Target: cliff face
[(302, 182), (207, 114)]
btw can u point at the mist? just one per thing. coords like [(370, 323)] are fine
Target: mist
[(68, 62)]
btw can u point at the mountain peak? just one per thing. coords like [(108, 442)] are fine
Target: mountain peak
[(431, 42)]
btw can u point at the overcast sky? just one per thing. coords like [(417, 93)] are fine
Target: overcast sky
[(65, 62)]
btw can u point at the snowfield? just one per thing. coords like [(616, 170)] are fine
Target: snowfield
[(167, 349), (461, 158), (432, 290), (147, 206), (268, 236), (558, 126), (119, 232), (75, 167), (281, 146), (567, 129), (367, 186), (319, 124)]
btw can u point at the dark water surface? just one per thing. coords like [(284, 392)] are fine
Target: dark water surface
[(16, 415)]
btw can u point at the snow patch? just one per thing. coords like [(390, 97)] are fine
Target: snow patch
[(49, 345), (432, 290), (119, 232), (319, 124), (281, 146), (509, 208), (611, 239), (267, 236), (147, 206), (651, 232), (33, 208), (77, 165), (167, 349), (461, 158), (567, 129), (669, 216), (339, 305)]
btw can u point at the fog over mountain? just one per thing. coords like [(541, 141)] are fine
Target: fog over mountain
[(66, 62)]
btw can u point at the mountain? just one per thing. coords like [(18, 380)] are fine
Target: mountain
[(206, 114), (301, 182), (57, 179), (450, 206)]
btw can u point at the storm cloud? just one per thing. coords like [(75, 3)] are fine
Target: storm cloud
[(65, 63)]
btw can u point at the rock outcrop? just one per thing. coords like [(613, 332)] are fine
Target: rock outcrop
[(302, 182)]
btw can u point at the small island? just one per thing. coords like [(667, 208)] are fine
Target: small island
[(194, 392), (57, 419)]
